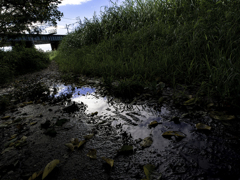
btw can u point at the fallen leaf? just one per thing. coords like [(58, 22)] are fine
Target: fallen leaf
[(148, 169), (174, 133), (202, 126), (7, 149), (81, 143), (221, 116), (20, 142), (35, 175), (9, 122), (189, 102), (126, 148), (146, 142), (87, 137), (70, 146), (27, 103), (9, 143), (109, 161), (23, 138), (5, 117), (92, 153), (49, 167), (13, 136), (153, 124), (33, 123), (74, 141), (210, 105)]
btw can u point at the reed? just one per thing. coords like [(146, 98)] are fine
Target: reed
[(195, 43)]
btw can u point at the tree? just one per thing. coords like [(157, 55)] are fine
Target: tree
[(24, 16)]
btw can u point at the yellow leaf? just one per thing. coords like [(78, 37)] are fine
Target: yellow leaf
[(189, 102), (49, 167), (109, 161), (126, 148), (148, 169), (35, 175), (74, 141), (33, 123), (7, 149), (87, 137), (26, 103), (81, 143), (5, 117), (153, 124), (202, 126), (92, 153), (70, 146), (221, 116), (13, 136)]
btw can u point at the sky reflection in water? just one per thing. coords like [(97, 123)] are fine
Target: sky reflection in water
[(141, 115)]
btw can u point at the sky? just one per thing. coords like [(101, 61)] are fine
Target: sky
[(74, 9)]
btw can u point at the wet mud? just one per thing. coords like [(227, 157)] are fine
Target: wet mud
[(46, 114)]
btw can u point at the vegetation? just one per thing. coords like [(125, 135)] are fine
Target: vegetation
[(20, 61), (192, 43), (20, 16)]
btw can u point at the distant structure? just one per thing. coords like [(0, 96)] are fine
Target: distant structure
[(33, 39)]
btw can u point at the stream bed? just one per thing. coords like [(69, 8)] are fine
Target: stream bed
[(133, 133)]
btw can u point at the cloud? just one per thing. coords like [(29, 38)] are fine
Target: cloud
[(72, 2)]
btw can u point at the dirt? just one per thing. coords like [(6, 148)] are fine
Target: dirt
[(46, 113)]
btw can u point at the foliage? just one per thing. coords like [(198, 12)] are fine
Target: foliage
[(179, 42), (20, 61), (20, 16)]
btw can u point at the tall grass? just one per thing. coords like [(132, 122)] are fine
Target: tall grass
[(191, 42)]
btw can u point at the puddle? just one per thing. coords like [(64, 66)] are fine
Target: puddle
[(134, 119), (200, 155), (197, 152)]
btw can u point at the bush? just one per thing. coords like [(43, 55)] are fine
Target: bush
[(20, 61)]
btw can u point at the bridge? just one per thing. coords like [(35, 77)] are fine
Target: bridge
[(36, 39)]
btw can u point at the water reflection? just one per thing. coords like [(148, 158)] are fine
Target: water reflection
[(198, 153), (133, 119)]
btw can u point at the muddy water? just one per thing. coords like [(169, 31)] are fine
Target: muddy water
[(200, 155)]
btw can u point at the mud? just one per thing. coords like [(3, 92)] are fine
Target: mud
[(77, 110)]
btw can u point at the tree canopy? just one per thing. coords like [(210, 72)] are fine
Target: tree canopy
[(25, 16)]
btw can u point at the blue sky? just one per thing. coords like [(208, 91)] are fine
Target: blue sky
[(72, 9)]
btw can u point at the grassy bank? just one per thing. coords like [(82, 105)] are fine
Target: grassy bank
[(21, 61), (193, 43)]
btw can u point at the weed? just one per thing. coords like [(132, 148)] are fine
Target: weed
[(182, 42)]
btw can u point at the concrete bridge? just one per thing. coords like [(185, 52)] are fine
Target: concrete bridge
[(36, 39)]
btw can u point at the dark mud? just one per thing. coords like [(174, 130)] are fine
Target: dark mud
[(49, 113)]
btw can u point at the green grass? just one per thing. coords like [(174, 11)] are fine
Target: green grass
[(194, 43), (21, 61), (17, 62)]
